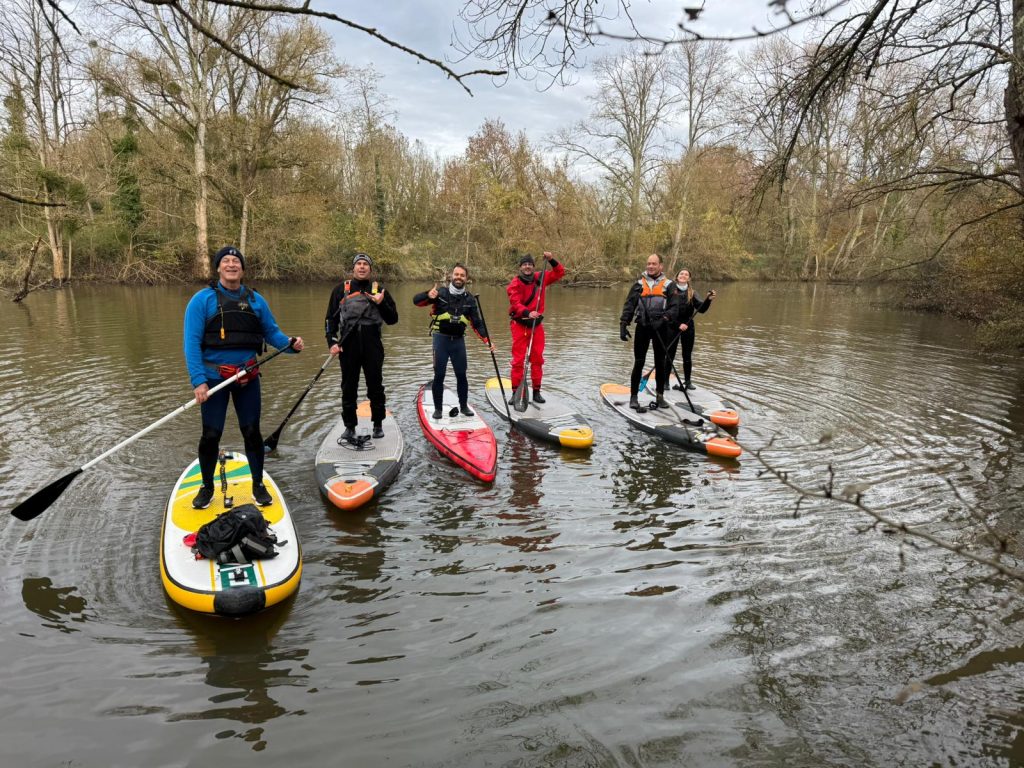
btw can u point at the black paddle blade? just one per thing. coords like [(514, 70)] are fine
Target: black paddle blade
[(271, 442), (39, 501), (520, 401)]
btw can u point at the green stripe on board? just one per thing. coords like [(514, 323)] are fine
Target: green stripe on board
[(194, 478)]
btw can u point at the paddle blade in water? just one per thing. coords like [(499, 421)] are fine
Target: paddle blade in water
[(270, 443), (39, 501)]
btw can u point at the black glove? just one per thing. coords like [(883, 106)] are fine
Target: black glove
[(624, 332)]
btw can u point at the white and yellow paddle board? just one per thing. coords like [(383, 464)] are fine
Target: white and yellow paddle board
[(554, 421), (229, 589)]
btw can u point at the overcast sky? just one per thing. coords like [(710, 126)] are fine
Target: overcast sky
[(442, 115)]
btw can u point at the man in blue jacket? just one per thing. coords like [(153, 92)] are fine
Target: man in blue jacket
[(226, 326)]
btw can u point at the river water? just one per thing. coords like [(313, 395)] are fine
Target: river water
[(632, 605)]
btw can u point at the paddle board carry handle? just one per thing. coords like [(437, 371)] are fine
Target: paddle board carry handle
[(229, 502)]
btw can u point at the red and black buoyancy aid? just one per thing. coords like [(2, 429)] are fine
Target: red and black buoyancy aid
[(235, 325), (653, 303)]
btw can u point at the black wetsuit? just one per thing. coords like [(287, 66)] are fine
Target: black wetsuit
[(687, 313), (654, 315), (354, 321), (450, 315)]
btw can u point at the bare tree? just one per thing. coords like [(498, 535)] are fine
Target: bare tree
[(174, 75), (258, 107), (39, 75), (624, 133), (703, 73)]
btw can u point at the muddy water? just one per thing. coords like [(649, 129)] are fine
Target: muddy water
[(630, 605)]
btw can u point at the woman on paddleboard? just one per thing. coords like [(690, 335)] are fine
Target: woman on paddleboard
[(689, 306), (226, 326)]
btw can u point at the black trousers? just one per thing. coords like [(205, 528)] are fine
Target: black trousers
[(362, 350), (645, 336), (449, 348), (685, 339)]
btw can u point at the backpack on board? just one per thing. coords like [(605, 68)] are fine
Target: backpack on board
[(239, 535)]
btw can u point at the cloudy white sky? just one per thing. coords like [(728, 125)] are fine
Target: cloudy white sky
[(442, 115)]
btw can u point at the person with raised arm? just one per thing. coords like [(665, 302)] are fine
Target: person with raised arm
[(452, 310)]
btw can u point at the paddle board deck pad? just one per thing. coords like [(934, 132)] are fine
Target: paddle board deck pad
[(705, 402), (465, 440), (227, 589), (350, 474), (673, 424), (553, 420)]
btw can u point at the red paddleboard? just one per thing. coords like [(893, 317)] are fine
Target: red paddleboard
[(465, 440)]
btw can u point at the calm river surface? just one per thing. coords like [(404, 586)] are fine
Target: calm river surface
[(633, 605)]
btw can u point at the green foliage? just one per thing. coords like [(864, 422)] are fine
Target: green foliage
[(127, 197)]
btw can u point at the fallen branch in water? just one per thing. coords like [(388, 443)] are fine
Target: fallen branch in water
[(853, 496), (25, 290)]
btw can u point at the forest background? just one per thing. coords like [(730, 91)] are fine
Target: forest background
[(135, 143)]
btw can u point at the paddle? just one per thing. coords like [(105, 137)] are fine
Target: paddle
[(495, 361), (519, 398), (643, 381), (271, 442), (39, 501)]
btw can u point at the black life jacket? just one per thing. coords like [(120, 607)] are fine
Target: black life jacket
[(449, 315), (235, 325), (239, 535), (356, 308)]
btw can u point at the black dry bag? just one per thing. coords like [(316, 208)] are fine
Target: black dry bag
[(239, 535)]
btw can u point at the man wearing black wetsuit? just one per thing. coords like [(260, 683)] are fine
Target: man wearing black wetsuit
[(357, 309)]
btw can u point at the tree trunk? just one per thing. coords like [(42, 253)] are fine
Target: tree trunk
[(634, 208), (56, 244), (201, 264), (243, 234), (680, 218), (1013, 98)]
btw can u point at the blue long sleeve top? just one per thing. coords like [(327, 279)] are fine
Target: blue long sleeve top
[(201, 307)]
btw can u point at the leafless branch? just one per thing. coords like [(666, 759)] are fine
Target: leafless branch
[(29, 201), (305, 10), (949, 237), (854, 497)]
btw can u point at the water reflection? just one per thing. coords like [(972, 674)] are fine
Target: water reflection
[(244, 665), (357, 557), (651, 471), (57, 606)]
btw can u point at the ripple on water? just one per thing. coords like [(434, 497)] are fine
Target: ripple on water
[(632, 604)]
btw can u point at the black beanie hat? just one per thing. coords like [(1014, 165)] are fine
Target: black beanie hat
[(227, 250), (527, 259), (362, 257)]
